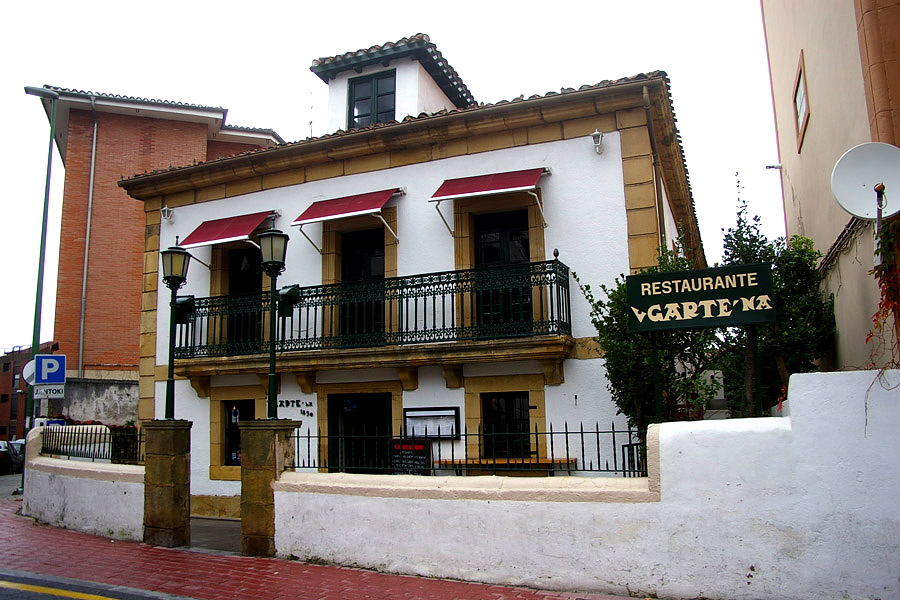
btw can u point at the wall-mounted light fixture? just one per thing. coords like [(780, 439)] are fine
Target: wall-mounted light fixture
[(597, 136), (167, 214)]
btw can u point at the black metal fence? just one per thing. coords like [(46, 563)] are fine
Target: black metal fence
[(95, 443), (499, 302), (567, 451)]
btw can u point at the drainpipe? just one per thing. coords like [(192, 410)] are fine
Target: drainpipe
[(87, 242), (657, 180)]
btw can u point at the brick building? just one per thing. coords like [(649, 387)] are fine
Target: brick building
[(101, 139), (13, 389)]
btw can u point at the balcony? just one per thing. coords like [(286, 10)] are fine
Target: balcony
[(447, 317)]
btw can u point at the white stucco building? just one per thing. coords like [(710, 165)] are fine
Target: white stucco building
[(431, 246)]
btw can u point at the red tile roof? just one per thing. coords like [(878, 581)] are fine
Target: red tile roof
[(418, 46)]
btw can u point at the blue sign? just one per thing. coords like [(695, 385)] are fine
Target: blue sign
[(49, 368)]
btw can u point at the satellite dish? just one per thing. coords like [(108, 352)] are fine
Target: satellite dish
[(856, 174)]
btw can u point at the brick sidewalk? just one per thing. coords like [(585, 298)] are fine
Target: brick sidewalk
[(41, 549)]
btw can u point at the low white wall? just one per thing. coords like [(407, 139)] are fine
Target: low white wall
[(792, 507), (98, 498)]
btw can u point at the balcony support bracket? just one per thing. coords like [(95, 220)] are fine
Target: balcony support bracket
[(453, 376), (409, 378), (201, 386), (306, 380), (553, 372), (264, 381)]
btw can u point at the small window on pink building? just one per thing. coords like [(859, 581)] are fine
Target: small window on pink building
[(801, 103)]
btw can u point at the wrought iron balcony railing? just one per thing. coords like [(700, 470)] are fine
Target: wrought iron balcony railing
[(474, 304)]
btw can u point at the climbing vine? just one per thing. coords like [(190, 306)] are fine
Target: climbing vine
[(886, 319)]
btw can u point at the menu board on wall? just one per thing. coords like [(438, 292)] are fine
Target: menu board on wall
[(411, 456)]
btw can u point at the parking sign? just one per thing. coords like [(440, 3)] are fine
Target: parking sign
[(49, 368)]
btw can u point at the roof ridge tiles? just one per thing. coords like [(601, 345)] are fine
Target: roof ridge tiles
[(425, 116), (372, 49), (75, 92)]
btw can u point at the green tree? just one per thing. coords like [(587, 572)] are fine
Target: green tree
[(683, 355), (801, 335), (804, 328)]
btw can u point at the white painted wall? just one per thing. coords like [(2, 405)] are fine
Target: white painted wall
[(98, 498), (780, 508), (583, 203), (584, 207)]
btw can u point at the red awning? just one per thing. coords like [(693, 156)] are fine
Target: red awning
[(229, 229), (495, 183), (348, 206)]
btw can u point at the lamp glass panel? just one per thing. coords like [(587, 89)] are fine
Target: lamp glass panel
[(273, 246), (175, 262)]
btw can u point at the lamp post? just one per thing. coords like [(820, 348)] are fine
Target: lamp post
[(175, 263), (273, 245), (36, 334)]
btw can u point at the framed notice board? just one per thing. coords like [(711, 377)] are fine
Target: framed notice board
[(434, 422)]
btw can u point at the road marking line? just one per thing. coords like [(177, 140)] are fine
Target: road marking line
[(24, 587)]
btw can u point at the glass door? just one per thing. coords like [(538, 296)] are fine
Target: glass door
[(502, 286), (362, 288)]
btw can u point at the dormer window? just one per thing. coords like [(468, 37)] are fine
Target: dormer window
[(371, 99)]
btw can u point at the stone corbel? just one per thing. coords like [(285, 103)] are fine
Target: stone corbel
[(264, 382), (201, 386), (306, 380), (553, 372), (453, 376), (409, 378)]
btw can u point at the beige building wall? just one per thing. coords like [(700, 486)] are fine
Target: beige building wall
[(820, 38)]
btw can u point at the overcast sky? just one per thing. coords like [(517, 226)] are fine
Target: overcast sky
[(253, 58)]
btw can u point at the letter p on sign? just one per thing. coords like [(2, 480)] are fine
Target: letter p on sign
[(49, 368)]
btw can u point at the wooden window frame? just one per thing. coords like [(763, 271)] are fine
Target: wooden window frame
[(532, 384), (800, 121), (370, 80), (217, 397)]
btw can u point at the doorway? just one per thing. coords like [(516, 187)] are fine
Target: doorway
[(362, 288), (505, 425), (503, 285), (244, 330), (235, 412), (359, 432)]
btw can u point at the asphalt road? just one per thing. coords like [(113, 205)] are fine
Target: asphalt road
[(9, 483), (26, 586)]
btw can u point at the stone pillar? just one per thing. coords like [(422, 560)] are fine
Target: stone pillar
[(167, 483), (266, 450)]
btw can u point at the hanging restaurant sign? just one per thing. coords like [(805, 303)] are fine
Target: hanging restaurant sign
[(719, 297)]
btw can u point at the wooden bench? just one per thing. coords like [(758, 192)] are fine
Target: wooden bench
[(529, 467)]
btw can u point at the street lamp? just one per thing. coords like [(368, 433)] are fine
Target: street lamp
[(175, 263), (273, 245), (36, 334)]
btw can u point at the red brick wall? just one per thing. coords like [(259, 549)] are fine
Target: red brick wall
[(223, 149), (15, 360), (126, 146)]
